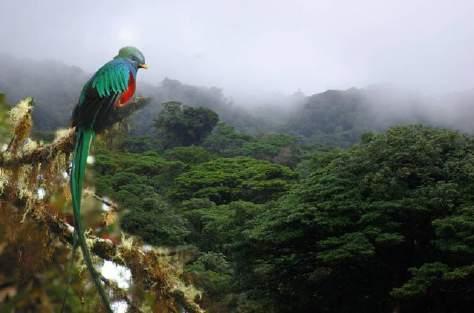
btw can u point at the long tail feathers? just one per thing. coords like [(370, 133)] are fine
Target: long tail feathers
[(81, 151)]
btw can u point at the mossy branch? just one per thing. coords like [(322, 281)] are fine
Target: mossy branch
[(41, 154), (27, 166), (62, 144), (158, 276)]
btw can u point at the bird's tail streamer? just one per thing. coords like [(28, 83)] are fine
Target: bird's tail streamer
[(83, 140)]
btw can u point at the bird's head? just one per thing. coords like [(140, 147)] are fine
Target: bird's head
[(134, 56)]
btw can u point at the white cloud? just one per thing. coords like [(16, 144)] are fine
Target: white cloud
[(271, 45)]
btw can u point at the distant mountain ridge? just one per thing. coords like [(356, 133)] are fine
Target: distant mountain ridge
[(56, 88), (333, 117)]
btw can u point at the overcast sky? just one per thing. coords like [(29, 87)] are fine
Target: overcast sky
[(252, 46)]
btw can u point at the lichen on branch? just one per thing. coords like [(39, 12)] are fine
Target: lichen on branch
[(26, 167)]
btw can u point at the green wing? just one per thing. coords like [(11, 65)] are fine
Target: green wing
[(100, 93), (112, 78)]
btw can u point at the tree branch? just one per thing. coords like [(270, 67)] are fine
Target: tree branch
[(63, 144), (105, 201), (41, 154), (147, 264), (122, 294)]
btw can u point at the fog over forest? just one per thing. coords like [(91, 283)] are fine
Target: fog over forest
[(332, 117), (258, 62)]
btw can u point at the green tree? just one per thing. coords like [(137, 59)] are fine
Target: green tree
[(384, 226), (179, 125), (189, 155), (225, 180), (155, 222), (226, 141), (276, 147), (138, 181)]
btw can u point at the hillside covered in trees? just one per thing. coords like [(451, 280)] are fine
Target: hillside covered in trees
[(351, 201)]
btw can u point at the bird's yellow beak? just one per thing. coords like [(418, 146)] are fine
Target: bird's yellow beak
[(144, 66)]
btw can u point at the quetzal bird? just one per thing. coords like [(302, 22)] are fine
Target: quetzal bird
[(109, 89)]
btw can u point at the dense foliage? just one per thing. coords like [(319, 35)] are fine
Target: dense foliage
[(383, 226), (179, 125), (276, 147)]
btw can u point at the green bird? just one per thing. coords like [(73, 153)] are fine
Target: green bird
[(109, 89)]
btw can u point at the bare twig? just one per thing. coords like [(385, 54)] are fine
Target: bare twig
[(113, 206)]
